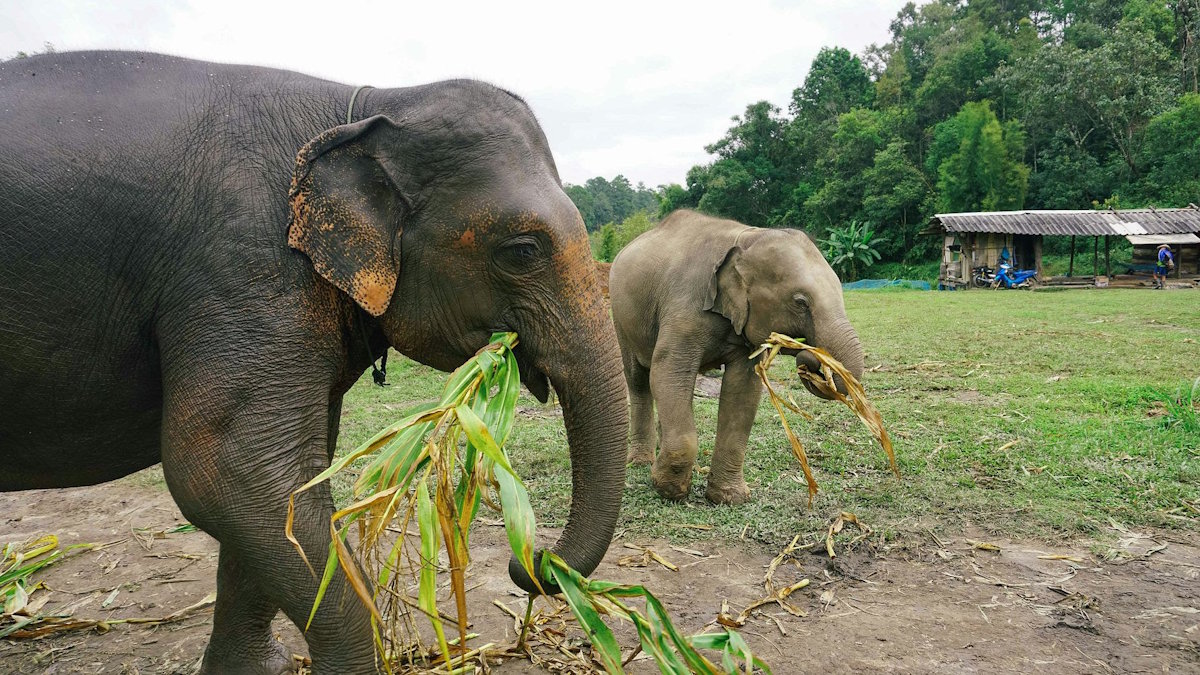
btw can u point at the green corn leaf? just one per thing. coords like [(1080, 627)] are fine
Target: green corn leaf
[(28, 569), (470, 458), (709, 640), (488, 362), (507, 339), (501, 410), (331, 565), (727, 661), (694, 660), (427, 590), (519, 521), (738, 647), (481, 438), (612, 588), (653, 644), (16, 600), (396, 459), (603, 642), (667, 648)]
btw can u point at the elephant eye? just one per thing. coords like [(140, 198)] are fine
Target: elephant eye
[(520, 254), (800, 300)]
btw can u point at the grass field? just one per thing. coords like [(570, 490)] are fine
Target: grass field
[(1046, 415)]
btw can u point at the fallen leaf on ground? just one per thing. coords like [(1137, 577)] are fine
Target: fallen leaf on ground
[(983, 546), (838, 524)]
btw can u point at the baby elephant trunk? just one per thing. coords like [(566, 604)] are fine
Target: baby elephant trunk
[(842, 342)]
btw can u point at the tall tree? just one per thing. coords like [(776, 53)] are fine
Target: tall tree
[(860, 134), (963, 62), (1172, 155), (894, 195), (837, 82), (745, 182), (978, 161), (1187, 37)]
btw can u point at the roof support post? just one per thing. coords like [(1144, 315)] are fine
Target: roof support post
[(1095, 256), (1071, 264), (1107, 262)]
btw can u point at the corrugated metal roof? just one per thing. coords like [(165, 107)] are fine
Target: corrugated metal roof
[(1156, 239), (1079, 223)]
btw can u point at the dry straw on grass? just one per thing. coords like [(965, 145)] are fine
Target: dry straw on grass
[(855, 398)]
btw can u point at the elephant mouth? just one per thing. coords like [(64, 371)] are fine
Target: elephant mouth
[(805, 361), (534, 380)]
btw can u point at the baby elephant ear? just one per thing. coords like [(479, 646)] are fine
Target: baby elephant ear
[(727, 292), (346, 212)]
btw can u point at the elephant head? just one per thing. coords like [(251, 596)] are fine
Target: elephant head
[(778, 281), (443, 217)]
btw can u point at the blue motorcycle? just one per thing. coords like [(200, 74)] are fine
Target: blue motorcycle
[(1007, 277)]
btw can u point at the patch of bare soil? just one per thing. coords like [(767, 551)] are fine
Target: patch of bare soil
[(927, 605)]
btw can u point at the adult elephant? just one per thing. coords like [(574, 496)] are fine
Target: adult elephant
[(166, 297), (697, 292)]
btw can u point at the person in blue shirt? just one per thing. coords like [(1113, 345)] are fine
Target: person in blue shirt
[(1165, 260)]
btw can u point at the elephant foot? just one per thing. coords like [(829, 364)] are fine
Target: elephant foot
[(640, 455), (672, 483), (731, 494), (276, 661)]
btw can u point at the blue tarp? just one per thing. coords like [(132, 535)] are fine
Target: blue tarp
[(872, 284)]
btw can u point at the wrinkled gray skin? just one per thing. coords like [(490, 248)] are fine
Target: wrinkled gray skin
[(166, 297), (697, 292)]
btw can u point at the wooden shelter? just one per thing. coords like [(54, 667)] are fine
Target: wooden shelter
[(971, 240)]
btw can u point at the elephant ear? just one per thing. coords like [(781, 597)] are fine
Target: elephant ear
[(727, 291), (347, 212)]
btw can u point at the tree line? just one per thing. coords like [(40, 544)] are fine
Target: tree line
[(971, 106)]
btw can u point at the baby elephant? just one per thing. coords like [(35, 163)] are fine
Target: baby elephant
[(695, 292)]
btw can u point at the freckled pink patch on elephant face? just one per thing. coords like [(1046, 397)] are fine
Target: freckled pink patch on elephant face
[(465, 241), (481, 219)]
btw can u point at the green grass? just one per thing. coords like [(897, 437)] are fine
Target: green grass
[(1072, 378), (927, 271)]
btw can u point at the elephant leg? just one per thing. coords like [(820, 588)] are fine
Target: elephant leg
[(740, 393), (233, 452), (643, 434), (241, 640), (672, 381)]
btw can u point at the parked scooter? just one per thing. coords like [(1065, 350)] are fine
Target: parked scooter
[(1007, 277), (983, 276)]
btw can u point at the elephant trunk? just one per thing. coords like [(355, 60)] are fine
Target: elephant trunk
[(840, 340), (591, 387)]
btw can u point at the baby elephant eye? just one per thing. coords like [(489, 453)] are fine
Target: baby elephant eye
[(799, 299)]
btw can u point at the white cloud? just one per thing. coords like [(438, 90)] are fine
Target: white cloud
[(636, 88)]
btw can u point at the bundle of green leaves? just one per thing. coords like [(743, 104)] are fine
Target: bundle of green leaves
[(437, 466)]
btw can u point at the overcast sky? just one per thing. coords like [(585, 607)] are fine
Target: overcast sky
[(633, 88)]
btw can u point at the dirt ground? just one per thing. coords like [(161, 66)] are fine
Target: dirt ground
[(930, 604)]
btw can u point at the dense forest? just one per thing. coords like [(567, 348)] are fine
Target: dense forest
[(971, 106)]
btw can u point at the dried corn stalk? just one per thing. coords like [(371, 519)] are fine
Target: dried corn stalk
[(855, 398)]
